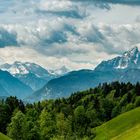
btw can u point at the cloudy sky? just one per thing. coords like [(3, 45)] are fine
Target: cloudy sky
[(75, 33)]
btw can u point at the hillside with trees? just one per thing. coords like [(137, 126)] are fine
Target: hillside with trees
[(72, 118)]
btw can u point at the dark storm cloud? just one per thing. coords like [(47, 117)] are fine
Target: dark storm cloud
[(128, 2), (111, 1), (71, 13), (105, 4), (57, 36), (7, 38)]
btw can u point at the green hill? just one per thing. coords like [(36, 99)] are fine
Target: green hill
[(124, 127), (3, 137), (103, 109)]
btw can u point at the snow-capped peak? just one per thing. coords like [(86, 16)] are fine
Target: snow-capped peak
[(15, 68), (129, 60), (132, 52), (61, 71), (31, 74), (25, 68)]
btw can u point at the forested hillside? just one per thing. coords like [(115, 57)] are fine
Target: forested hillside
[(70, 118)]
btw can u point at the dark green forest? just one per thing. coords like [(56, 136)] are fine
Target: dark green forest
[(71, 118)]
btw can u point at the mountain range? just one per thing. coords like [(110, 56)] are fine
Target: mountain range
[(124, 68), (33, 82), (129, 60), (32, 77), (30, 74), (11, 86)]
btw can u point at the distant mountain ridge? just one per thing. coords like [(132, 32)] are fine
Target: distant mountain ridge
[(61, 71), (125, 68), (11, 86), (30, 74), (33, 74), (129, 60), (47, 84)]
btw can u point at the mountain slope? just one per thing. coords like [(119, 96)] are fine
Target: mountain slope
[(125, 126), (3, 137), (3, 92), (10, 85), (125, 68), (32, 80), (61, 71), (129, 60), (30, 74), (72, 82)]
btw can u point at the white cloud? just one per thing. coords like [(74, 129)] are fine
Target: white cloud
[(85, 44), (75, 34), (26, 54), (56, 5)]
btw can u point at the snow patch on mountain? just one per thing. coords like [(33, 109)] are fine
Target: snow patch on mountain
[(16, 68), (25, 68), (61, 71), (30, 74), (129, 60)]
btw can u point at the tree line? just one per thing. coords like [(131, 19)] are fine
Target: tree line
[(71, 118)]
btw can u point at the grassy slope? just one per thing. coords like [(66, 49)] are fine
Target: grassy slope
[(131, 134), (124, 127), (3, 137)]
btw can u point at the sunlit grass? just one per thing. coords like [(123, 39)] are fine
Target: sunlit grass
[(3, 137), (124, 127)]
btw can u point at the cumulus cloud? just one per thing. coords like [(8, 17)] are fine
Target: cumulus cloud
[(26, 54), (56, 5), (78, 34), (79, 42)]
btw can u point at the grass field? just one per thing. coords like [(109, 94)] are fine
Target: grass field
[(123, 127), (3, 137), (131, 134)]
